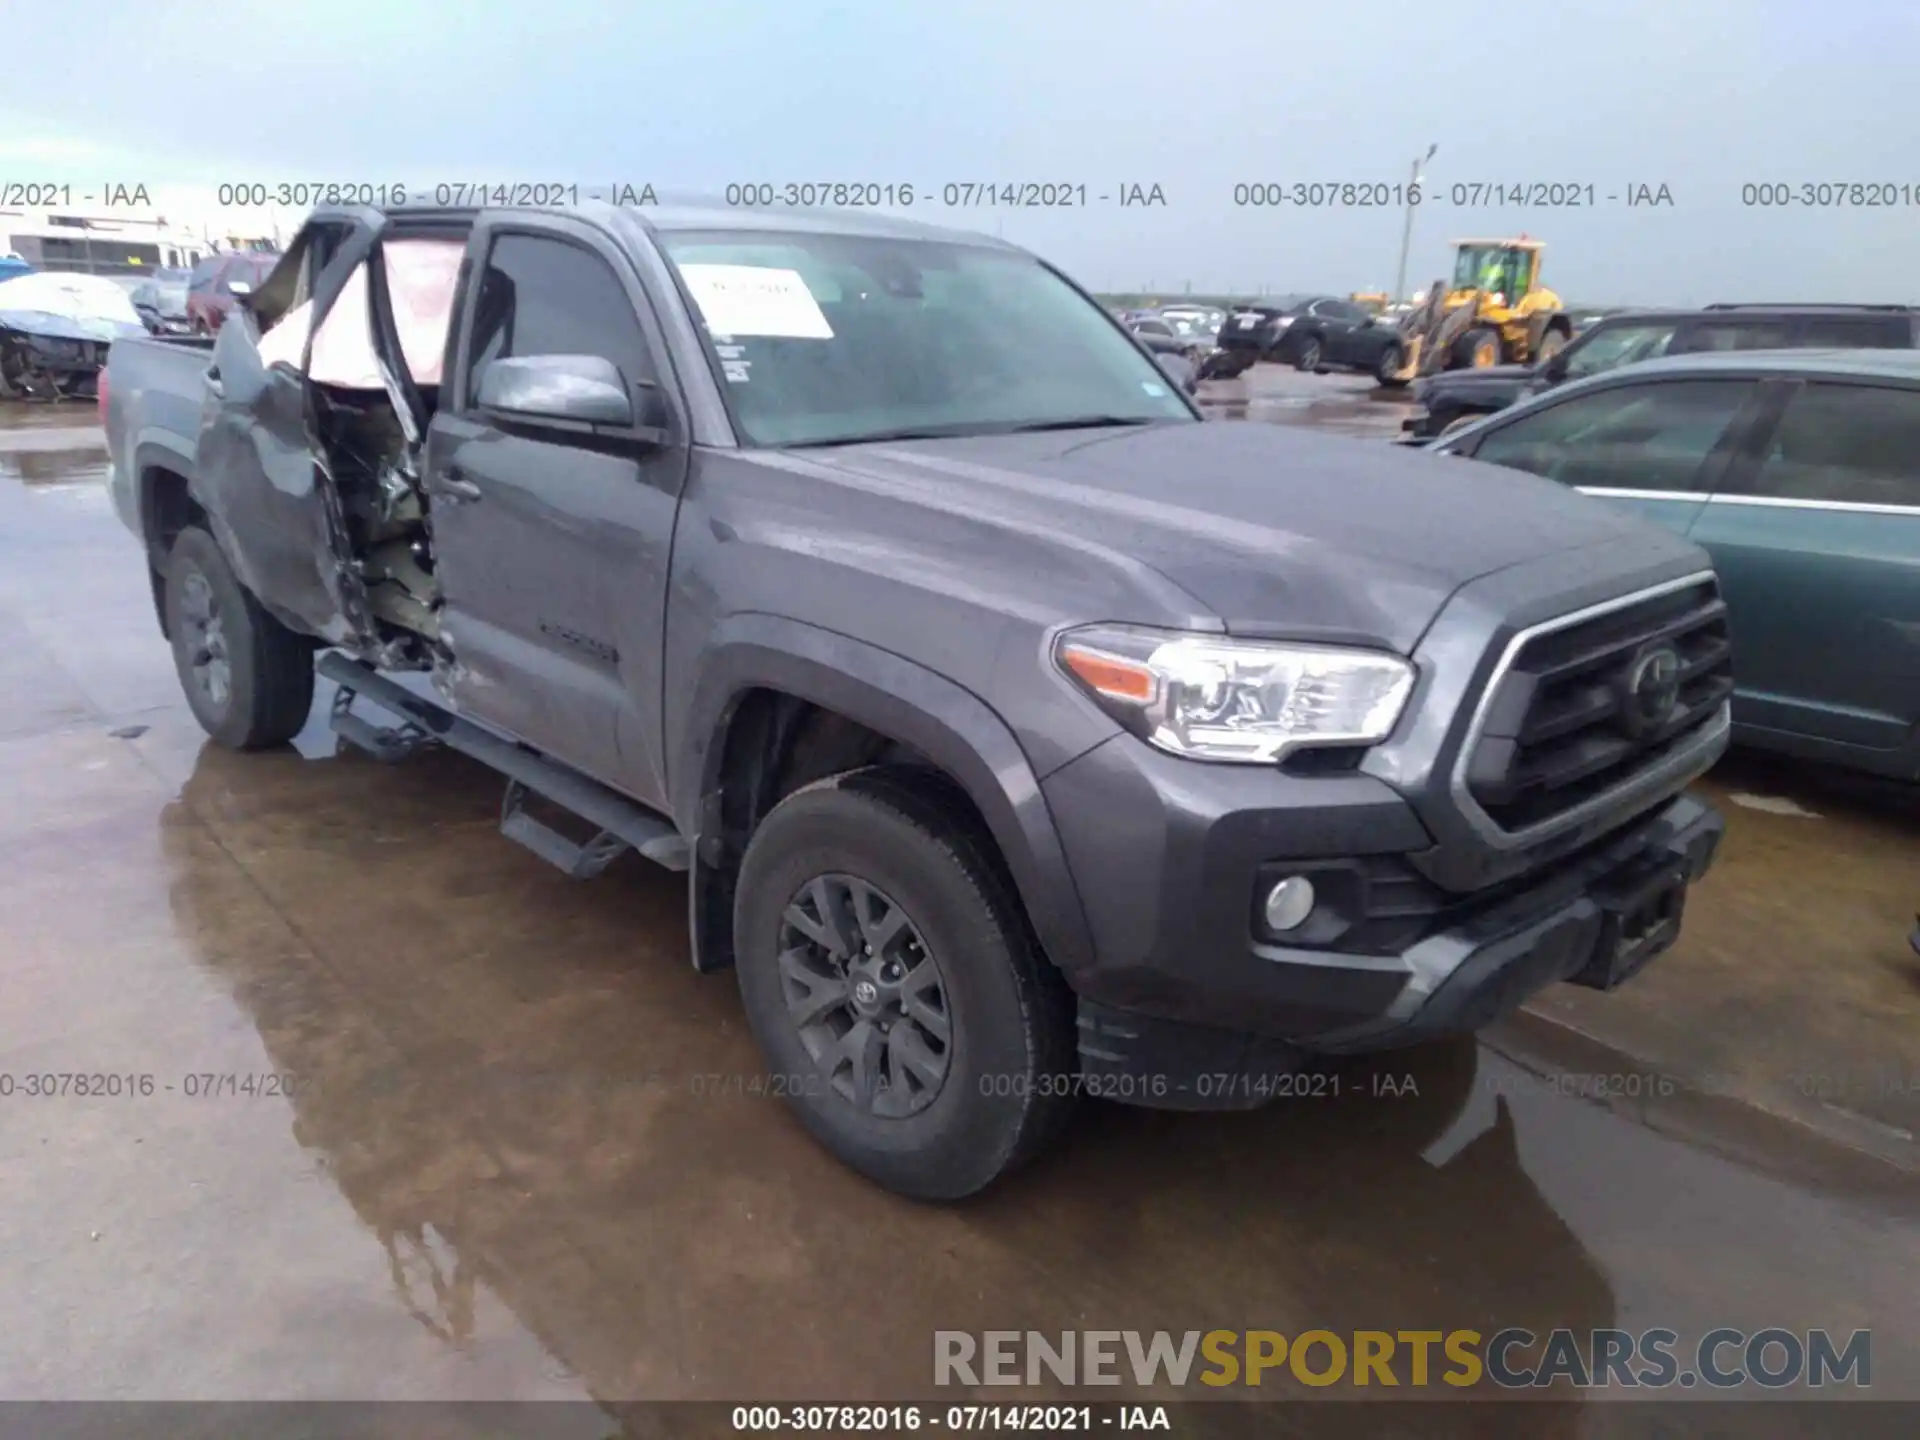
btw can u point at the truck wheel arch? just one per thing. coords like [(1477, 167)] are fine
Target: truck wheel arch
[(164, 503), (756, 657), (164, 493)]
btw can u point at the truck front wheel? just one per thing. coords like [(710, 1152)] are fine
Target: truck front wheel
[(903, 1006), (248, 679)]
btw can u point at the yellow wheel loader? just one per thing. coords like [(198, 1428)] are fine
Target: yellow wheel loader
[(1495, 312)]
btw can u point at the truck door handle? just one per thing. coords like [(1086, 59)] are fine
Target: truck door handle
[(455, 485)]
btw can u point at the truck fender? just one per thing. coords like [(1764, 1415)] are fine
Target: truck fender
[(155, 450), (136, 496), (1542, 321), (908, 703)]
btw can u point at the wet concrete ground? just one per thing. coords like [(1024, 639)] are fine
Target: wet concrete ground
[(521, 1156)]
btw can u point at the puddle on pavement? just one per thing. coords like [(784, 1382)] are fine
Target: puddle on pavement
[(86, 465), (1331, 403), (19, 416)]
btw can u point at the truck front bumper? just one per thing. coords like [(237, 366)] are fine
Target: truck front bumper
[(1191, 1003)]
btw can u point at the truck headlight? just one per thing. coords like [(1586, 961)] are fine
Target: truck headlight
[(1213, 698)]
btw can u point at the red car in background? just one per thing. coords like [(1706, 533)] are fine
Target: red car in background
[(211, 288)]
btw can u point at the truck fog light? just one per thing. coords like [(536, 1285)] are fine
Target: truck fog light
[(1289, 903)]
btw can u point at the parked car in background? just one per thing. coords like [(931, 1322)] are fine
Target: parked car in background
[(55, 330), (1456, 397), (1201, 329), (1201, 318), (1312, 332), (1251, 330), (1799, 472), (161, 300), (215, 283), (1164, 337)]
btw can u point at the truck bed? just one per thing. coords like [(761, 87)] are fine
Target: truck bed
[(151, 393)]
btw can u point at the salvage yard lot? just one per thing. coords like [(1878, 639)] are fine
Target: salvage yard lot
[(445, 1124)]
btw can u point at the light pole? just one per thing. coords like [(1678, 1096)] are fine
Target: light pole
[(1406, 229)]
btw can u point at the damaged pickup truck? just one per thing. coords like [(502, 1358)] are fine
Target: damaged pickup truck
[(1024, 735)]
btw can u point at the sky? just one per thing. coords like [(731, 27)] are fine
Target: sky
[(1703, 97)]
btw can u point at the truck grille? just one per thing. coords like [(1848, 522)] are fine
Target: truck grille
[(1584, 707)]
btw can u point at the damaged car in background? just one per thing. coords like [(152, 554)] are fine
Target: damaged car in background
[(55, 331), (161, 301)]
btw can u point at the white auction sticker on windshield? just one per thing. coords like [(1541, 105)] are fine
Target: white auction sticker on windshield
[(755, 300)]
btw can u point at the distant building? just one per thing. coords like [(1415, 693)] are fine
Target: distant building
[(100, 243)]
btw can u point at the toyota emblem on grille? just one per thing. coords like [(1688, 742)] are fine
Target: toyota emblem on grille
[(1650, 690)]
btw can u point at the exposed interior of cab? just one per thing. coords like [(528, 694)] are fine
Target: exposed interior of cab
[(369, 420)]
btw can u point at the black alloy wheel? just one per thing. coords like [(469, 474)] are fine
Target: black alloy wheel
[(865, 995)]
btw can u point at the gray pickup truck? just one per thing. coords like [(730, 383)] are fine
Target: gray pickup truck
[(1023, 735)]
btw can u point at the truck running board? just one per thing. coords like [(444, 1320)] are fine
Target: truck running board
[(620, 824)]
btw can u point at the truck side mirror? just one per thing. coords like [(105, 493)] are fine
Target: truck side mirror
[(585, 389), (1555, 370)]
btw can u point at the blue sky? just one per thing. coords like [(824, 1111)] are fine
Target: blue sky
[(1700, 95)]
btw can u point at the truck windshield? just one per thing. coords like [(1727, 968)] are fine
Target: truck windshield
[(835, 339)]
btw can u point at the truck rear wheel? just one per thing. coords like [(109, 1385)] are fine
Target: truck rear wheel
[(248, 679), (895, 989)]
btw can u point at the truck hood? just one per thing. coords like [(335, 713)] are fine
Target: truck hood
[(1274, 530)]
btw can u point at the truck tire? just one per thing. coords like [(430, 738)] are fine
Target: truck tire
[(248, 679), (892, 981)]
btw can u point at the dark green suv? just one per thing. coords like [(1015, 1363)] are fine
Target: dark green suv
[(1799, 473)]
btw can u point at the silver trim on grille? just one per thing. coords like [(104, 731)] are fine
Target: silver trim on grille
[(1690, 760)]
